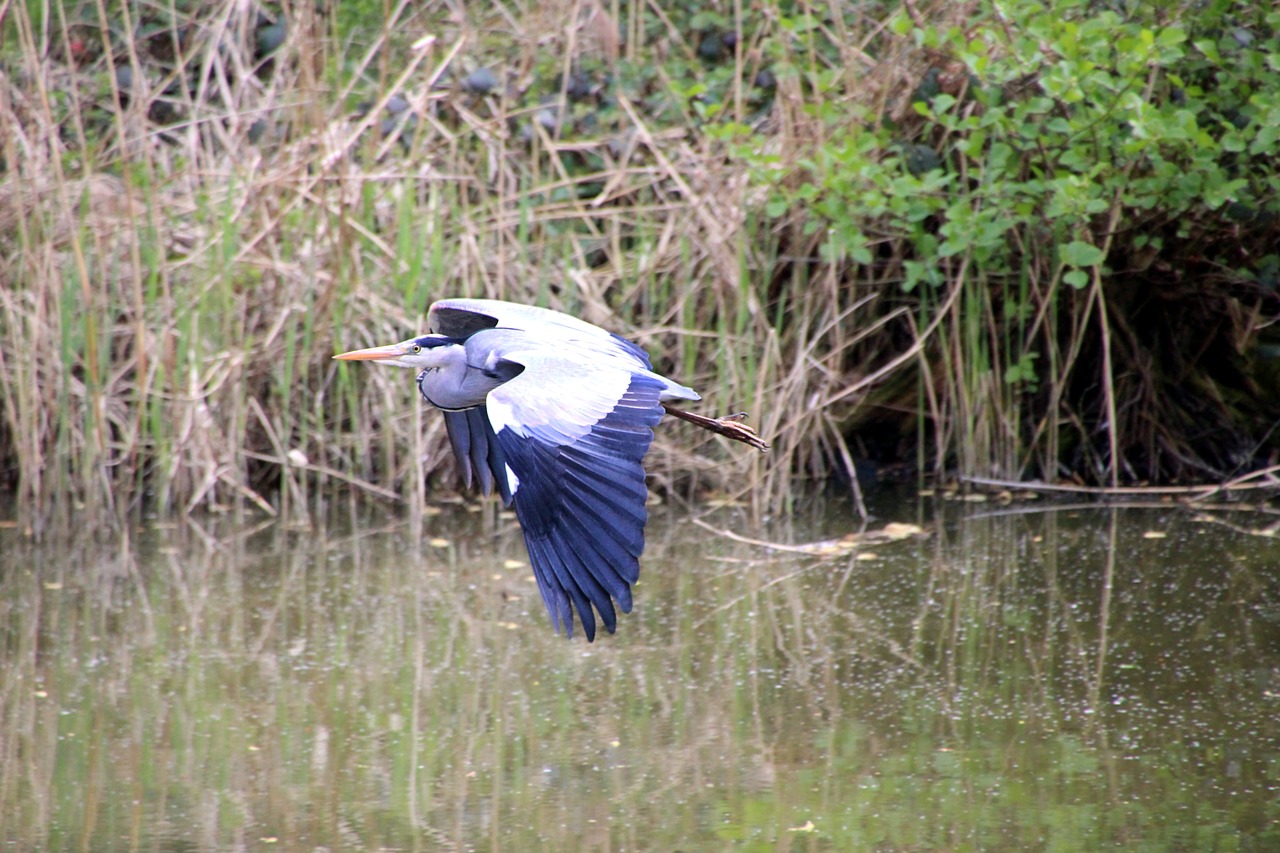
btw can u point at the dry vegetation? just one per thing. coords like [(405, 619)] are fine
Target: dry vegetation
[(198, 208), (174, 291)]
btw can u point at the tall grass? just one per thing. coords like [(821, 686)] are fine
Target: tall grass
[(195, 215), (173, 291)]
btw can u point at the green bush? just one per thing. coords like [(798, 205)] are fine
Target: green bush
[(1069, 144)]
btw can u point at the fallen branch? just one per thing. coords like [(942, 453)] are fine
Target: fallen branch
[(1193, 493)]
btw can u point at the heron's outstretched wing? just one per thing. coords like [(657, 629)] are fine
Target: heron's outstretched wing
[(464, 317), (573, 438)]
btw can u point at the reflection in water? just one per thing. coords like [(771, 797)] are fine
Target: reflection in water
[(1047, 680)]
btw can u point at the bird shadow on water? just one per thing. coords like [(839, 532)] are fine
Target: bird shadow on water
[(371, 682)]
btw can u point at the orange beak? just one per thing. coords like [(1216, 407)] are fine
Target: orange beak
[(387, 353)]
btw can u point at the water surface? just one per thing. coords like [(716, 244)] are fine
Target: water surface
[(1018, 679)]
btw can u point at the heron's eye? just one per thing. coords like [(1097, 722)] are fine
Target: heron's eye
[(417, 349)]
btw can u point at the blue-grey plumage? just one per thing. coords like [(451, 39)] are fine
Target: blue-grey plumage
[(557, 415), (465, 317)]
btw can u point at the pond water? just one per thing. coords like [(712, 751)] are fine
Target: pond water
[(1021, 678)]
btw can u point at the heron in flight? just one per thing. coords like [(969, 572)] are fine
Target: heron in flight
[(556, 415)]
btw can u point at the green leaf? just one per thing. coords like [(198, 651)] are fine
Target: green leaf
[(1076, 278), (1209, 48), (1080, 254), (1265, 141)]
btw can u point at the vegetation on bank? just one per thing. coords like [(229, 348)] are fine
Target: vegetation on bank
[(1002, 239)]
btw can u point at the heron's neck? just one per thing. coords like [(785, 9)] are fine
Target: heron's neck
[(448, 383)]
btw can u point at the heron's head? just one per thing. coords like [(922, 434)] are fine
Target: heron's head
[(418, 353)]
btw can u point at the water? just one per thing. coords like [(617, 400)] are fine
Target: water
[(1018, 679)]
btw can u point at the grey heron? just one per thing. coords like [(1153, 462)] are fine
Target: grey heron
[(557, 415)]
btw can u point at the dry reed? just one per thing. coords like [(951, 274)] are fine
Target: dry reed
[(196, 213), (173, 291)]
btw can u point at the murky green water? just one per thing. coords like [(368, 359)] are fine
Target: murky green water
[(1018, 680)]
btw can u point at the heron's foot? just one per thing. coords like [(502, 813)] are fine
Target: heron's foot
[(730, 426), (734, 426)]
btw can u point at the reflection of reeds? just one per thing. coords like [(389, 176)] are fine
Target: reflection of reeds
[(260, 687), (357, 687)]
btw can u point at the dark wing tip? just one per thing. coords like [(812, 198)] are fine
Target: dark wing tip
[(455, 319)]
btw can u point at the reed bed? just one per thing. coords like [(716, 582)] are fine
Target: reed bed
[(174, 290), (199, 206)]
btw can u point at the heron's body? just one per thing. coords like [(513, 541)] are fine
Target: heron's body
[(556, 415)]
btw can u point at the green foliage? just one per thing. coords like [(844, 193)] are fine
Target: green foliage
[(1107, 135), (1069, 113)]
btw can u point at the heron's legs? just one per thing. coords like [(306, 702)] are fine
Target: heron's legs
[(730, 426)]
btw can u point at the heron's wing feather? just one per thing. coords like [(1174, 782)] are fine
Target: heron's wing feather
[(478, 453), (464, 317), (461, 317), (574, 438)]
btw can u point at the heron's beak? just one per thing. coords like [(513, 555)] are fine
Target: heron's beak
[(391, 352)]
